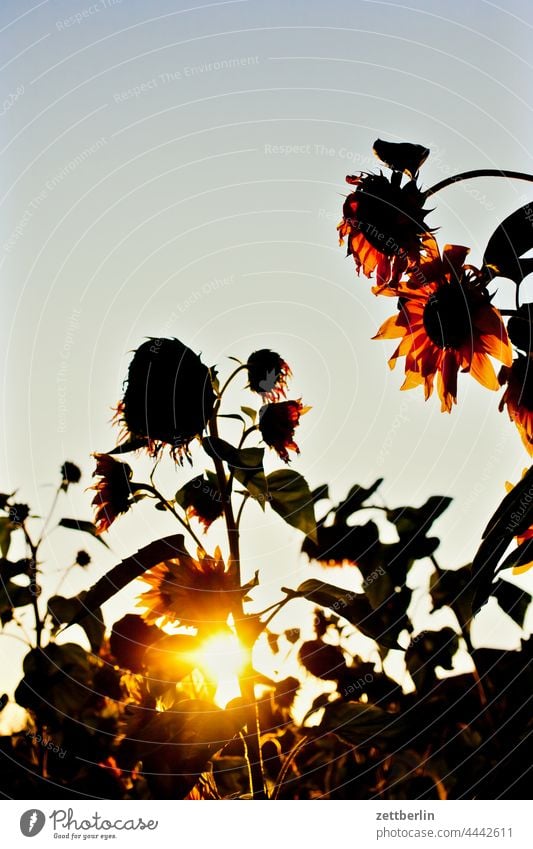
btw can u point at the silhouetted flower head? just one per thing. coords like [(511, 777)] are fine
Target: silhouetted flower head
[(18, 513), (277, 423), (384, 224), (169, 397), (446, 324), (113, 490), (83, 558), (518, 397), (70, 473), (202, 500), (268, 374), (192, 592)]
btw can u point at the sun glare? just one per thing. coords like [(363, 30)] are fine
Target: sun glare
[(223, 658)]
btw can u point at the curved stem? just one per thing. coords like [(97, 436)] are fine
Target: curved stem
[(172, 510), (479, 172), (241, 508), (233, 374), (246, 432), (47, 520)]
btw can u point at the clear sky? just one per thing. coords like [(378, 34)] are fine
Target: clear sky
[(180, 172)]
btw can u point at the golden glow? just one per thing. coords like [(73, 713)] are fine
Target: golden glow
[(223, 658)]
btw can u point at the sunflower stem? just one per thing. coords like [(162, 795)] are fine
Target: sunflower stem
[(252, 737), (174, 512), (233, 374), (51, 510), (34, 587), (479, 172)]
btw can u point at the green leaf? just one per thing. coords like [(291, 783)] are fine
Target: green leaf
[(521, 555), (355, 500), (246, 465), (131, 568), (511, 239), (12, 595), (5, 535), (418, 520), (232, 416), (512, 600), (321, 492), (10, 570), (64, 610), (359, 724), (219, 449), (289, 495), (250, 412), (82, 525), (133, 444), (354, 607), (513, 516), (250, 473)]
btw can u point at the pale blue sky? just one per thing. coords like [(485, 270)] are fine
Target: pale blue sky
[(151, 186)]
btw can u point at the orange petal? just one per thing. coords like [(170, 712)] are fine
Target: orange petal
[(482, 370), (390, 329)]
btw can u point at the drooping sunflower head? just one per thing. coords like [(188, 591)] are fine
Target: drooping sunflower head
[(384, 224), (518, 397), (169, 396), (199, 593), (113, 490), (201, 498), (277, 423), (268, 374)]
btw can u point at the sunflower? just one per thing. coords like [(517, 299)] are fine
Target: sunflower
[(114, 490), (446, 323), (518, 397), (268, 374), (169, 397), (201, 499), (384, 224), (192, 592), (277, 423)]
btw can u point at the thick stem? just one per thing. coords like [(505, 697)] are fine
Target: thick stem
[(34, 588), (479, 172), (252, 736)]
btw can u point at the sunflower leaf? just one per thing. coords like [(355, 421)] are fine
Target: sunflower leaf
[(63, 610), (512, 600), (511, 239), (250, 412), (354, 607), (5, 535), (359, 724), (133, 444), (130, 569), (82, 525), (289, 495)]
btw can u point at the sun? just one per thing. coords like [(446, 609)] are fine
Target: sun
[(223, 658)]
